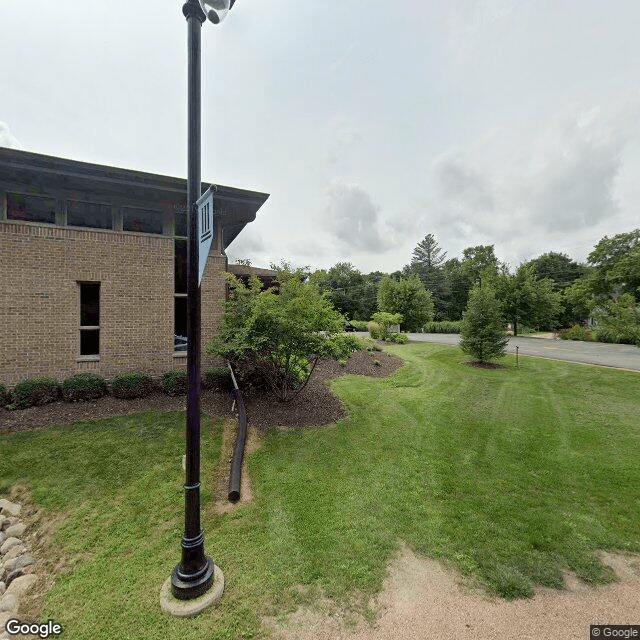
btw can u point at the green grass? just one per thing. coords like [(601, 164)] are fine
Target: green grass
[(510, 475)]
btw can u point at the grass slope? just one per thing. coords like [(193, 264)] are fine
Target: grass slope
[(511, 475)]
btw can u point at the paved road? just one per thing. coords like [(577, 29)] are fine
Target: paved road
[(624, 356)]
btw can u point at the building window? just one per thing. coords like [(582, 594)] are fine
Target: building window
[(31, 208), (180, 223), (180, 323), (141, 220), (180, 272), (89, 318), (89, 214)]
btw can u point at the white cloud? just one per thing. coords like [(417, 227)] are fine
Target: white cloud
[(351, 217), (7, 139)]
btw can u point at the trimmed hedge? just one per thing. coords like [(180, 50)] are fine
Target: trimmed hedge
[(358, 325), (446, 326), (217, 379), (84, 386), (398, 338), (175, 382), (36, 391), (133, 385)]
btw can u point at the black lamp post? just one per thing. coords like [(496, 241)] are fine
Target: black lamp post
[(194, 575)]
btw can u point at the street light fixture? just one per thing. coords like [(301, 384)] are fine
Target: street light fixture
[(194, 576)]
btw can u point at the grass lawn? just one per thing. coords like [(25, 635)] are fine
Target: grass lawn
[(510, 475)]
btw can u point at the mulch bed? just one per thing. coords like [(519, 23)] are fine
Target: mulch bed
[(315, 406)]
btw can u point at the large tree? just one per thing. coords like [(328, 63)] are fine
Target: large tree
[(426, 263), (428, 254), (526, 300), (558, 267), (408, 297), (617, 266), (351, 293)]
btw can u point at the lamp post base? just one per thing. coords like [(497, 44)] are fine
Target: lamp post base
[(189, 608)]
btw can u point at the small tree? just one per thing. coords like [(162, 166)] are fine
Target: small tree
[(277, 337), (483, 335), (386, 320)]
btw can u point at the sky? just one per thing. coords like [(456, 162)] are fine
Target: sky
[(370, 124)]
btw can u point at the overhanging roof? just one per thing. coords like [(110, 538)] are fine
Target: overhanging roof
[(51, 175)]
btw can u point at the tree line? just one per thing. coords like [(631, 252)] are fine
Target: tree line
[(548, 292)]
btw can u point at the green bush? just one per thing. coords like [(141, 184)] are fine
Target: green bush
[(175, 382), (132, 385), (618, 321), (5, 397), (398, 338), (375, 330), (84, 386), (446, 326), (343, 345), (217, 379), (577, 332), (358, 325), (36, 391)]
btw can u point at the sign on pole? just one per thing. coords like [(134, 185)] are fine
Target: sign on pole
[(205, 229)]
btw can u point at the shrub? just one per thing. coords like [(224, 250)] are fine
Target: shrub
[(386, 321), (446, 326), (217, 379), (36, 391), (175, 382), (375, 330), (577, 332), (5, 397), (618, 321), (399, 338), (132, 385), (278, 338), (358, 325), (84, 386), (342, 346)]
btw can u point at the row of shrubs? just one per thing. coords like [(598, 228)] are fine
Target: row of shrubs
[(612, 335), (89, 386), (445, 326)]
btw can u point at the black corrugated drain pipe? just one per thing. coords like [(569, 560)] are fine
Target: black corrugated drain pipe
[(238, 447)]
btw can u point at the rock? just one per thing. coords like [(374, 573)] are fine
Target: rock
[(16, 573), (16, 530), (9, 508), (8, 521), (20, 562), (3, 588), (7, 544), (19, 586), (9, 602), (15, 551), (3, 537)]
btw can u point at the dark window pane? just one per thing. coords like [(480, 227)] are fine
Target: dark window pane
[(180, 321), (89, 342), (142, 221), (89, 304), (31, 208), (180, 223), (180, 274), (89, 214)]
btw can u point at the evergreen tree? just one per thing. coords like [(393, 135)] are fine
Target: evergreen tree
[(428, 254), (482, 334)]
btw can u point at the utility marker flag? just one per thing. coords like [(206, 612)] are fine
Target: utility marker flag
[(205, 229)]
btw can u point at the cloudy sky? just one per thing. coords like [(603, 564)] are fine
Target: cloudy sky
[(506, 122)]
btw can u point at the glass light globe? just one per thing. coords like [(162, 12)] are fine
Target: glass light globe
[(216, 10)]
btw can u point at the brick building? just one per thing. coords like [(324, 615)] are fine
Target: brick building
[(93, 267)]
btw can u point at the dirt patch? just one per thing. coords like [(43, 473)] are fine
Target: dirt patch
[(483, 365), (315, 406), (422, 598)]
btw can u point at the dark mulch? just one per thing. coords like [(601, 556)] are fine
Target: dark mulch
[(315, 406), (483, 365)]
